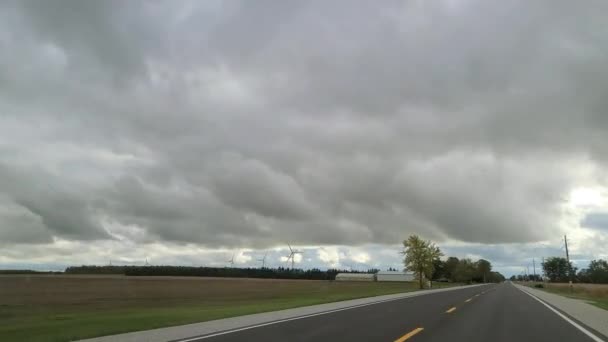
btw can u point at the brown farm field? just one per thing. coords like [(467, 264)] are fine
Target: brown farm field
[(67, 307)]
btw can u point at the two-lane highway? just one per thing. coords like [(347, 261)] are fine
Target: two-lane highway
[(481, 313)]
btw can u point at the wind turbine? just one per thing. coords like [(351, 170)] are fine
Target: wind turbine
[(231, 261), (292, 253), (263, 260)]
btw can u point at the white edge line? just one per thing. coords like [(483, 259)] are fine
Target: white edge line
[(576, 325), (413, 294)]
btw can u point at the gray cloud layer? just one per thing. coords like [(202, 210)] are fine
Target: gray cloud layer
[(242, 124), (596, 221)]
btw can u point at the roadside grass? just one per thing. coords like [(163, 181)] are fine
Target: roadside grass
[(63, 308), (596, 294)]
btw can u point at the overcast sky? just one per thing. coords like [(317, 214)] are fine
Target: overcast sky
[(183, 132)]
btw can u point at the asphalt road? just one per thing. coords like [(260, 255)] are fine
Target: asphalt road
[(484, 313)]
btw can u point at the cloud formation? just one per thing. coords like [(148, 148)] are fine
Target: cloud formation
[(596, 221), (240, 125)]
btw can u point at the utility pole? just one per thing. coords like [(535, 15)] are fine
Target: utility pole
[(567, 255), (534, 265), (543, 270), (568, 260)]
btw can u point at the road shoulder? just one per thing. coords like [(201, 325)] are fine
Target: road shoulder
[(587, 314)]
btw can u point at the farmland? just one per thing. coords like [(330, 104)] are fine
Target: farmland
[(65, 307), (596, 294)]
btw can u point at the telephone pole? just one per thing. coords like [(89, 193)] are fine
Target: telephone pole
[(567, 255), (534, 265), (568, 260), (543, 265)]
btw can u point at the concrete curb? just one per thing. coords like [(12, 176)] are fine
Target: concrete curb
[(187, 331), (587, 314)]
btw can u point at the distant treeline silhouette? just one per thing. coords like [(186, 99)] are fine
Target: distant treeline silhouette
[(92, 269), (228, 272), (27, 272)]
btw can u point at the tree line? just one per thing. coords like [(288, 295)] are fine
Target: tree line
[(224, 272), (466, 270), (27, 272), (423, 258), (559, 270)]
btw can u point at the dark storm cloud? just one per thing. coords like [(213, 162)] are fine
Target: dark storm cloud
[(40, 200), (241, 124), (21, 226)]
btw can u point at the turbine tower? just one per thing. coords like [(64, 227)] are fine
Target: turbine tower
[(292, 253), (231, 261), (263, 260)]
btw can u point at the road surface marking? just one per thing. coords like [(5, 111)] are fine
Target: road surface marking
[(450, 310), (576, 325), (230, 331), (468, 300), (408, 335), (477, 295)]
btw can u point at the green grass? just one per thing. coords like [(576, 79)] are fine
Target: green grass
[(58, 310), (65, 325), (601, 303)]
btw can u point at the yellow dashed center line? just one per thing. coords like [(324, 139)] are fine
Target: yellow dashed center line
[(450, 310), (408, 335)]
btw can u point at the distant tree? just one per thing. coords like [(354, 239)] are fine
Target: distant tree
[(450, 267), (419, 257), (557, 269), (438, 269), (596, 272), (465, 271), (495, 277), (513, 278), (482, 269)]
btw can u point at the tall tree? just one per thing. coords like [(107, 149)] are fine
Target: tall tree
[(450, 267), (419, 257), (465, 271), (439, 269), (483, 268)]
